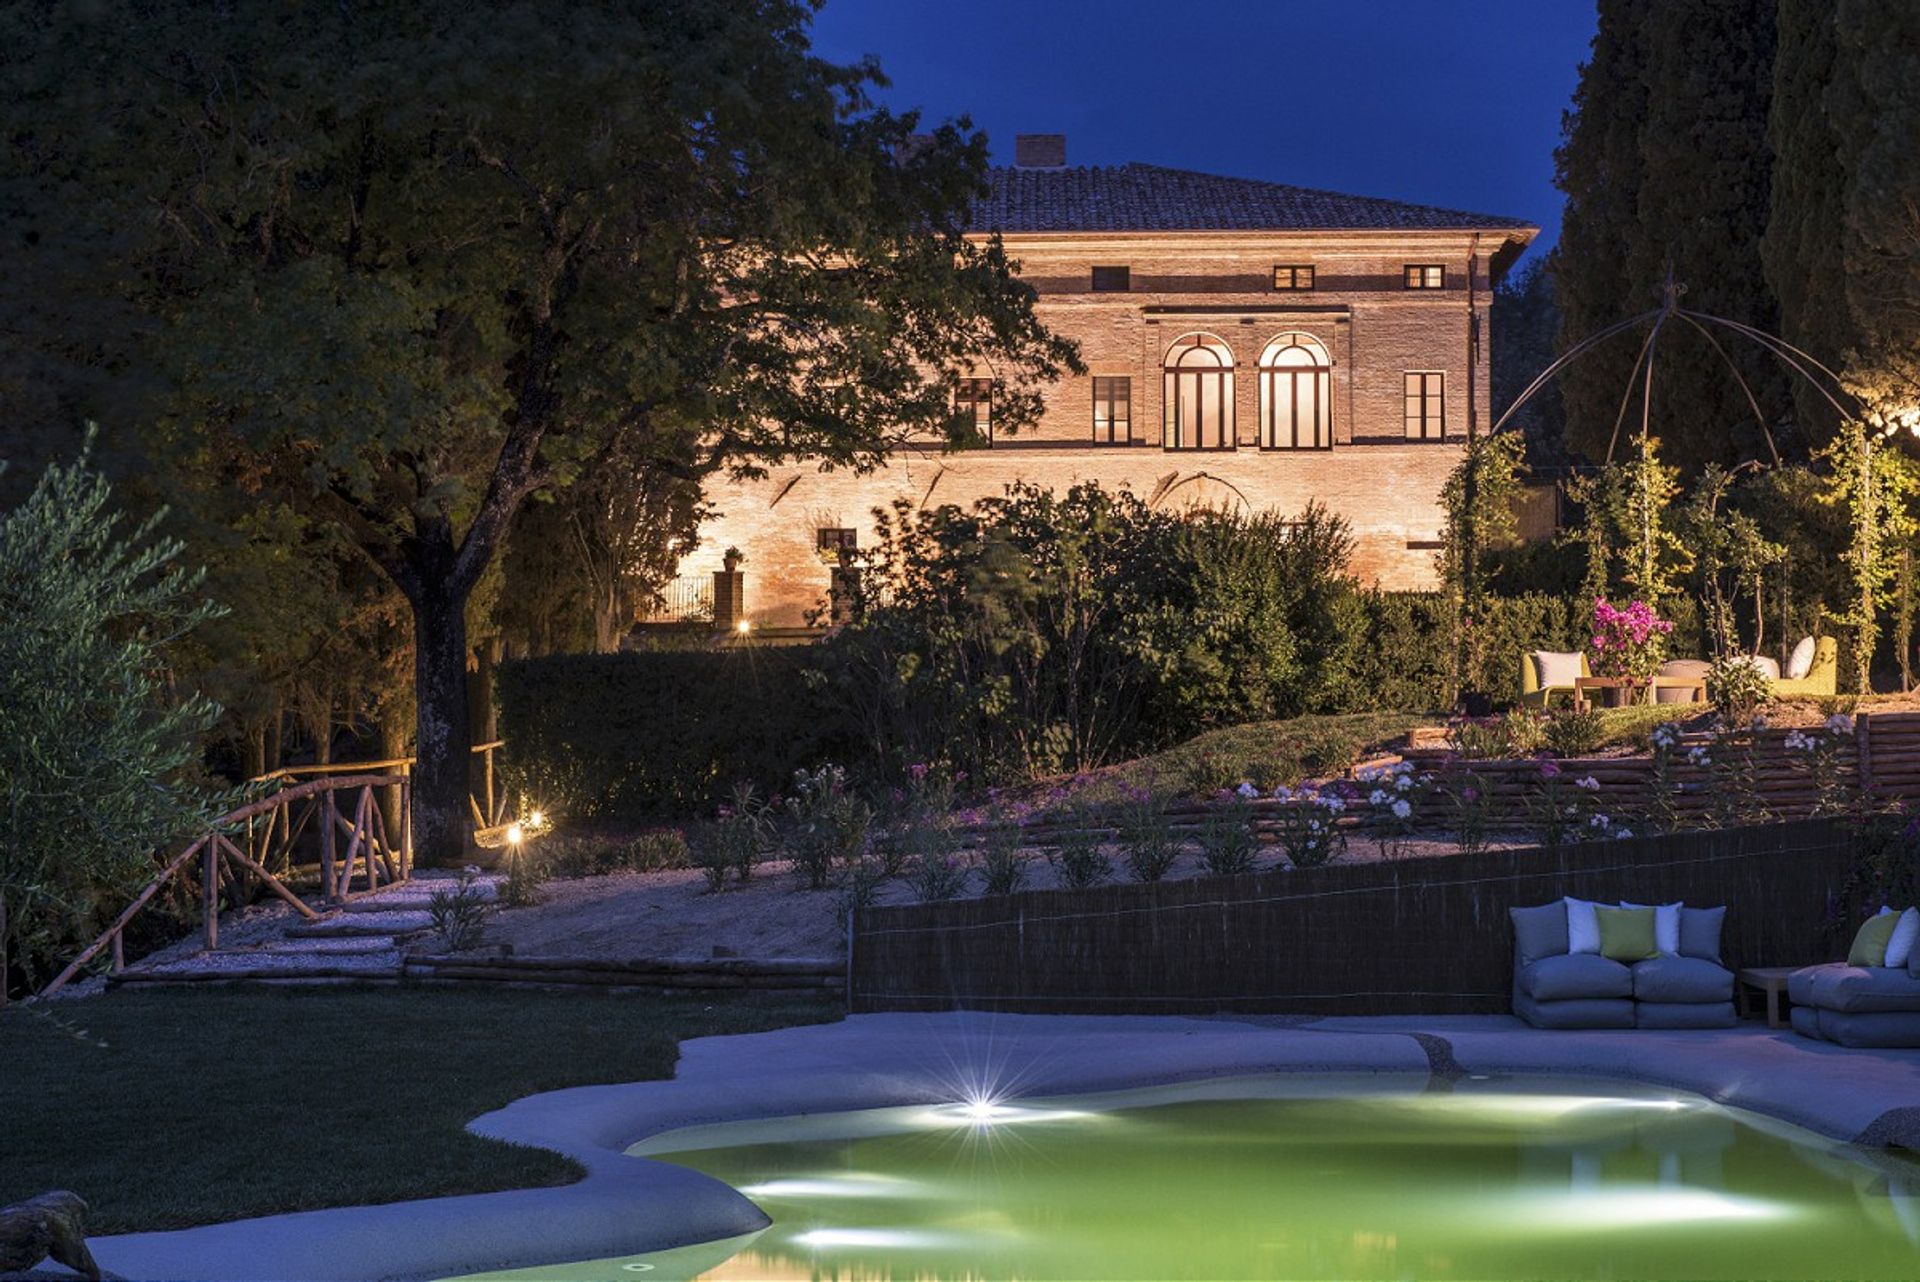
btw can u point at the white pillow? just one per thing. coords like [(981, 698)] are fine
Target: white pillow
[(1801, 661), (1583, 927), (1905, 932), (1555, 668), (1666, 925), (1769, 667)]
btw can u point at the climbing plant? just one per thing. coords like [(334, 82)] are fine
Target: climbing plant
[(1479, 497), (1874, 482)]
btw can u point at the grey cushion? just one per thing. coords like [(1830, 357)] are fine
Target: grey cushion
[(1700, 932), (1599, 1012), (1681, 979), (1866, 1028), (1854, 989), (1575, 975), (1541, 931), (1684, 1015)]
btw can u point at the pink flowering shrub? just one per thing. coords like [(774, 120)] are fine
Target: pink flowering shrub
[(1629, 641)]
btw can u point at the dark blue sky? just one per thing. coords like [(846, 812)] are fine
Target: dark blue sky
[(1446, 102)]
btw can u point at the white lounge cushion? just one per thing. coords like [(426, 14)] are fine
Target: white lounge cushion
[(1555, 668), (1801, 661), (1905, 934), (1583, 926), (1769, 667), (1666, 925)]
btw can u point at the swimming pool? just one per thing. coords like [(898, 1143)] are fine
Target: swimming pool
[(1295, 1176)]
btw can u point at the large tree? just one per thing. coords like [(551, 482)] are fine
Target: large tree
[(1666, 165), (1843, 245), (406, 264)]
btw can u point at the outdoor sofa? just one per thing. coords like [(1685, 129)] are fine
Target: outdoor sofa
[(1546, 673), (1669, 975), (1872, 998)]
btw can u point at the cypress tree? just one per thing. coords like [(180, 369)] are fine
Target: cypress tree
[(1598, 166), (1665, 159)]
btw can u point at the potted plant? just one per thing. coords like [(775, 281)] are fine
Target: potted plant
[(1628, 644)]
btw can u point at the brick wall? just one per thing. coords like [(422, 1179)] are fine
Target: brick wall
[(1373, 329)]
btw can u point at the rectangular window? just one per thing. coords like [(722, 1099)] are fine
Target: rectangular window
[(1426, 276), (1117, 280), (829, 542), (1112, 411), (973, 404), (1293, 278), (1426, 406)]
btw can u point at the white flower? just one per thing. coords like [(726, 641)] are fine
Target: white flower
[(1797, 742), (1839, 723), (1759, 723), (1401, 808), (1376, 798), (1598, 821), (1698, 756), (1331, 802), (1402, 783), (1283, 793), (1248, 791), (1623, 832), (1589, 783)]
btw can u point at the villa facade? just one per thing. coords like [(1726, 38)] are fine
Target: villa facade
[(1248, 344)]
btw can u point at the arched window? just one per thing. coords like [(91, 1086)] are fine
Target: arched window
[(1296, 401), (1199, 394)]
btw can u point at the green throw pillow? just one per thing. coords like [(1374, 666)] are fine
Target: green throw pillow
[(1870, 945), (1626, 934)]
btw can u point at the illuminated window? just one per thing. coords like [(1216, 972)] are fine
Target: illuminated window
[(1293, 278), (1426, 276), (829, 542), (973, 405), (1112, 411), (1426, 406), (1199, 394), (1112, 279), (1296, 395)]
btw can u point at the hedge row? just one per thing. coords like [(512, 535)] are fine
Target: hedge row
[(642, 736)]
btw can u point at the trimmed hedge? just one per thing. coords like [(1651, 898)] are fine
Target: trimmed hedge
[(642, 736), (636, 736)]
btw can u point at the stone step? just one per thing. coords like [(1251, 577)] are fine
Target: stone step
[(242, 962), (391, 924), (413, 898)]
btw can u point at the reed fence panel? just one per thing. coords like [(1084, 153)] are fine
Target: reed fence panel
[(1413, 936)]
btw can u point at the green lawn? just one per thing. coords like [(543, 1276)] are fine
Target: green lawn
[(165, 1109), (1268, 753)]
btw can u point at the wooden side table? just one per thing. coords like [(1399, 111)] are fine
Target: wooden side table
[(1771, 980)]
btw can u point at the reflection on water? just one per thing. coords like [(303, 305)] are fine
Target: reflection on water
[(1298, 1180)]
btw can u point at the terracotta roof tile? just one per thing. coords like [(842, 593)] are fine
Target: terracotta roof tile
[(1136, 197)]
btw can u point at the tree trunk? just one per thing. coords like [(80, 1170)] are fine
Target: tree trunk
[(442, 738)]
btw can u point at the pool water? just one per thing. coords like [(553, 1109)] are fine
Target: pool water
[(1302, 1179)]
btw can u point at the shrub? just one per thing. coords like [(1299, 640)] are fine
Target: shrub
[(1393, 798), (1003, 866), (1574, 732), (1228, 847), (1076, 854), (1309, 827), (527, 872), (733, 841), (657, 851), (457, 912), (1736, 687), (859, 889), (826, 824), (938, 876), (1147, 842)]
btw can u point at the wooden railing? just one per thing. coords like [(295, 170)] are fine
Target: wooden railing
[(260, 844), (224, 864)]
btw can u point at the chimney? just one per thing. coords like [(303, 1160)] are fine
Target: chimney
[(1039, 151)]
